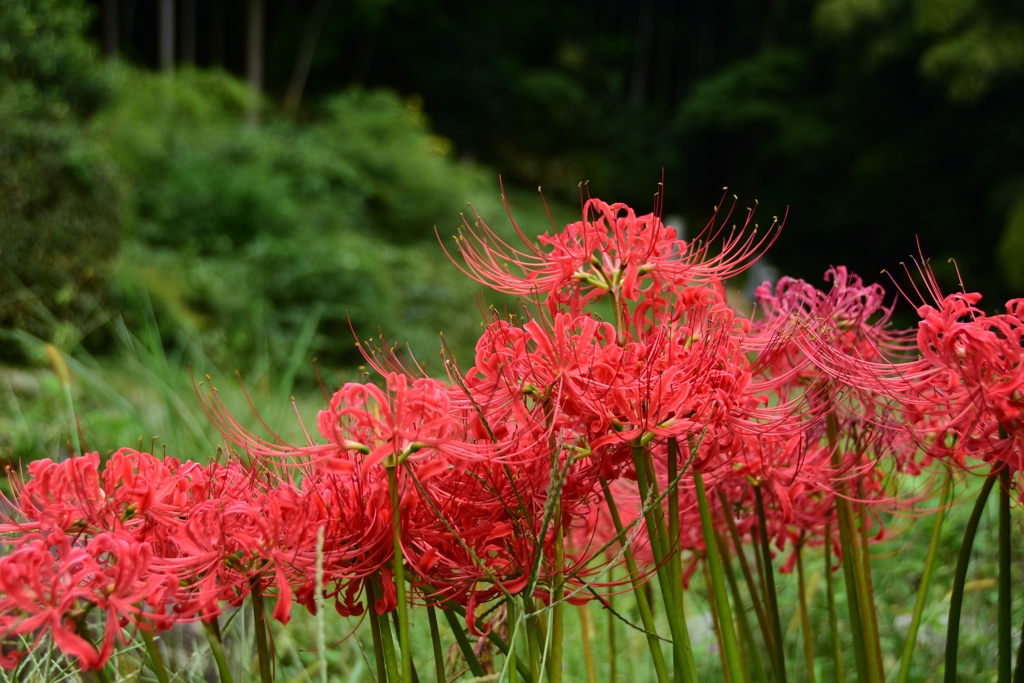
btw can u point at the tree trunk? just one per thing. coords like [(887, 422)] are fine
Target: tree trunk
[(642, 52), (217, 33), (166, 41), (300, 73), (111, 34), (188, 31), (254, 54)]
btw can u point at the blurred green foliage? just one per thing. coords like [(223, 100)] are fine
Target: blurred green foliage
[(137, 197), (61, 200), (974, 51), (247, 235), (876, 121), (965, 45), (1011, 247)]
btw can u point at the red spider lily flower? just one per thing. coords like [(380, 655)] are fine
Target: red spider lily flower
[(410, 417), (962, 394), (978, 379), (57, 495), (52, 583), (608, 252)]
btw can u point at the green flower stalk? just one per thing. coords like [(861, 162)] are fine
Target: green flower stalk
[(732, 652), (960, 578), (922, 591), (399, 571)]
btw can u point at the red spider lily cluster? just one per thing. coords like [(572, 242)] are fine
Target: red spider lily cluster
[(569, 456)]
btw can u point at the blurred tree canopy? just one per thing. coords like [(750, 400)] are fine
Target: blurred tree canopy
[(249, 210), (60, 197), (876, 121)]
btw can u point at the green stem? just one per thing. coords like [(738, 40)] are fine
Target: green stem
[(868, 588), (763, 588), (321, 642), (1005, 594), (378, 641), (748, 577), (805, 619), (512, 621), (588, 652), (769, 580), (1018, 672), (853, 570), (463, 641), (838, 674), (533, 638), (435, 639), (646, 616), (154, 656), (399, 567), (674, 549), (611, 632), (865, 670), (217, 650), (732, 652), (415, 676), (746, 632), (387, 643), (716, 622), (658, 537), (495, 639), (260, 627), (960, 578), (922, 591), (557, 603)]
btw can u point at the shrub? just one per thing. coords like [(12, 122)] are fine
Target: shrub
[(61, 201)]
